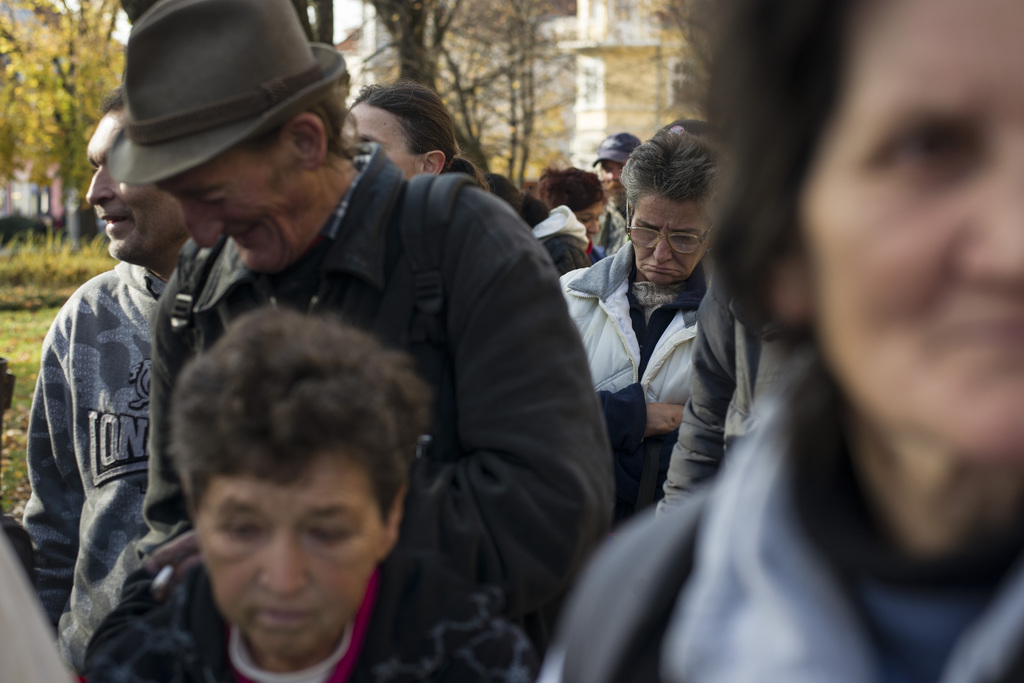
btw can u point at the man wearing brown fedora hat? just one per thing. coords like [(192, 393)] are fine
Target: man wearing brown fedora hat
[(233, 112)]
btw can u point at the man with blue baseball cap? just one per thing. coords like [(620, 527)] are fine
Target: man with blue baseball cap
[(611, 157)]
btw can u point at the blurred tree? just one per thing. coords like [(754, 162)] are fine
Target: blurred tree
[(135, 8), (692, 65), (418, 30), (506, 81), (496, 65), (59, 61)]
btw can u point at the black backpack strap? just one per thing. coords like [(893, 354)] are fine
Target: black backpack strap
[(614, 624), (412, 310), (194, 268), (426, 212)]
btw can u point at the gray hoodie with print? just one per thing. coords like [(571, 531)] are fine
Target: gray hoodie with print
[(88, 453)]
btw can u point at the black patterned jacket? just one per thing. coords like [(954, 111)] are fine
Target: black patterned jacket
[(427, 625)]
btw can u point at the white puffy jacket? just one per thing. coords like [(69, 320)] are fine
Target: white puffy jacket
[(598, 305)]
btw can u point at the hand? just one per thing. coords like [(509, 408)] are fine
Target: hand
[(180, 554), (662, 418)]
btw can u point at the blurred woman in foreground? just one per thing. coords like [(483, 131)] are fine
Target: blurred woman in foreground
[(872, 529)]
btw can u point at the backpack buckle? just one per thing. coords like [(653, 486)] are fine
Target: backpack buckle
[(181, 313)]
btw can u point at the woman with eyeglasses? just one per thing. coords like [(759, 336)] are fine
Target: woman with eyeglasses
[(637, 310)]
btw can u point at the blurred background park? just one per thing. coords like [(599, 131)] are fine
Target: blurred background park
[(529, 83)]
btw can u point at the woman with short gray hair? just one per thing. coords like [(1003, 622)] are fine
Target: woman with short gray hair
[(637, 311)]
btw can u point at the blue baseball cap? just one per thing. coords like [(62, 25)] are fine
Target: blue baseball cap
[(617, 147)]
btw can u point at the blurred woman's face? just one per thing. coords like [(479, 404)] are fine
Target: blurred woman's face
[(913, 220), (590, 218)]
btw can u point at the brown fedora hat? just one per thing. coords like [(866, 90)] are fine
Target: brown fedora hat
[(204, 75)]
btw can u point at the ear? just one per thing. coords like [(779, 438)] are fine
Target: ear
[(392, 523), (307, 136), (433, 162), (791, 296)]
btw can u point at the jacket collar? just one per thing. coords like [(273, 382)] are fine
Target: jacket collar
[(606, 276), (360, 247)]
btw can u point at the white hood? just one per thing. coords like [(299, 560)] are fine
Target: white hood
[(562, 221)]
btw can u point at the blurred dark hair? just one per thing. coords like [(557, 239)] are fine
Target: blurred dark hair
[(572, 187), (501, 186), (677, 166), (280, 390), (777, 70), (534, 210), (113, 101), (331, 111), (776, 76), (427, 124)]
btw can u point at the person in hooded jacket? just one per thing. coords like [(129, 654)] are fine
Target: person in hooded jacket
[(636, 311), (565, 238), (582, 195)]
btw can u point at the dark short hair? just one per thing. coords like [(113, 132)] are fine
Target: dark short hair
[(534, 210), (113, 101), (281, 389), (572, 187), (776, 72), (427, 125), (331, 111), (502, 187), (677, 166)]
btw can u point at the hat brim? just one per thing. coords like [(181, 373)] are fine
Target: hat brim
[(141, 164), (607, 157)]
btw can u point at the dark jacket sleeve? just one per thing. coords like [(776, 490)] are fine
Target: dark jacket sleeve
[(532, 495), (136, 602), (625, 414), (700, 446), (615, 618), (164, 503)]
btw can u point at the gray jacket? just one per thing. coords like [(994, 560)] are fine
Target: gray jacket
[(728, 588), (732, 366), (87, 452), (611, 230)]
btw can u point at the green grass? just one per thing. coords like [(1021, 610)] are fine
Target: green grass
[(37, 274), (20, 341)]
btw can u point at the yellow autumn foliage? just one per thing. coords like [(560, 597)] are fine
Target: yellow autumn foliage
[(59, 60)]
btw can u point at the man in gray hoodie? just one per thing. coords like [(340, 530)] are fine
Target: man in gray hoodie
[(89, 427)]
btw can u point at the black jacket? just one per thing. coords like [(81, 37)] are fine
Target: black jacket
[(520, 491), (566, 253), (427, 625)]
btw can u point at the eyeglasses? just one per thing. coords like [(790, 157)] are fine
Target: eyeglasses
[(680, 242)]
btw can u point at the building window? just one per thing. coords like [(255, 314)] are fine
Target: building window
[(591, 85), (678, 82), (624, 10)]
